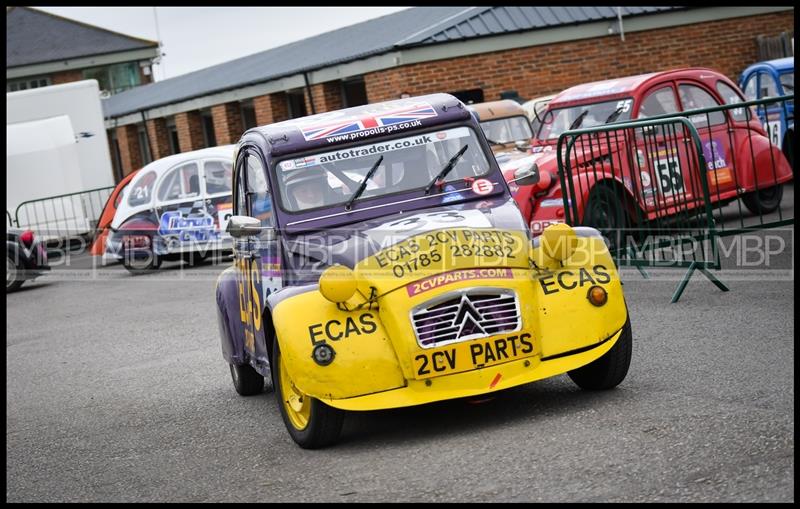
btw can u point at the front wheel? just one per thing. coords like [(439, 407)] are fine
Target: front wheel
[(609, 370), (606, 212), (765, 200), (311, 423)]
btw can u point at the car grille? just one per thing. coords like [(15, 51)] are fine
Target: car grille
[(467, 314)]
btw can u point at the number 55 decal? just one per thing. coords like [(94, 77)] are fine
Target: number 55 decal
[(625, 106), (249, 299), (670, 180)]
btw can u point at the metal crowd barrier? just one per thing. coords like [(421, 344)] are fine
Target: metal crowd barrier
[(63, 217), (664, 190), (745, 215)]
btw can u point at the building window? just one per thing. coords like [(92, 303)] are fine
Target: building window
[(115, 78), (144, 144), (209, 137), (248, 114), (296, 100), (25, 84), (172, 135), (354, 92), (471, 96)]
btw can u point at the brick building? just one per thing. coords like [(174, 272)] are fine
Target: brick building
[(477, 54), (44, 49)]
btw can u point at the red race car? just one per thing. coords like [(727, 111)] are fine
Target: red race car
[(649, 171)]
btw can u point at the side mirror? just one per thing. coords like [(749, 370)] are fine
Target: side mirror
[(526, 176), (246, 226)]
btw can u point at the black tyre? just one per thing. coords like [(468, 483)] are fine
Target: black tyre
[(311, 423), (14, 277), (605, 211), (141, 263), (764, 201), (195, 258), (246, 380), (610, 369)]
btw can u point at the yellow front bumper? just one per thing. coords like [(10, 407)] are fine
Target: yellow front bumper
[(476, 382)]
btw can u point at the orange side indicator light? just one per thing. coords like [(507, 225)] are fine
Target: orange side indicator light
[(597, 295)]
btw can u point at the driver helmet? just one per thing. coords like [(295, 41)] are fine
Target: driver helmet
[(307, 188)]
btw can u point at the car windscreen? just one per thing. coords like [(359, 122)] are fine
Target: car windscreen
[(331, 178), (558, 120), (507, 130), (787, 82)]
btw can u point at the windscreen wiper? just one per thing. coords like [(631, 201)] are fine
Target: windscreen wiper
[(363, 184), (614, 115), (447, 167), (578, 121)]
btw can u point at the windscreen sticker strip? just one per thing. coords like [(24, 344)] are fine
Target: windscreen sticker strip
[(374, 148)]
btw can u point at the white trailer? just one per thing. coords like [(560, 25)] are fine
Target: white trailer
[(56, 144)]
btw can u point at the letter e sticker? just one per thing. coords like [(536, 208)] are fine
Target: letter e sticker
[(482, 186)]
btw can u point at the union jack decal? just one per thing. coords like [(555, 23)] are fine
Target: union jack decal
[(369, 120)]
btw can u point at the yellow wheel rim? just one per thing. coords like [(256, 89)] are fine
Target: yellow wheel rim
[(296, 404)]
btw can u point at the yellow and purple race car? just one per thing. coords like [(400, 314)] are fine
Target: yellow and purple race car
[(380, 262)]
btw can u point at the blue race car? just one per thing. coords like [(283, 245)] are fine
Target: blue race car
[(773, 78)]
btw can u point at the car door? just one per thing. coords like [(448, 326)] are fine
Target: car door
[(718, 136), (661, 165), (263, 248), (183, 222), (750, 86), (771, 114), (257, 257)]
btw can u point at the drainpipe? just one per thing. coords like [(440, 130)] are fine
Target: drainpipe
[(147, 137), (308, 91), (619, 20)]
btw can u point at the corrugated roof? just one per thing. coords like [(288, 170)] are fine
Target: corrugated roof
[(484, 21), (34, 37), (407, 28)]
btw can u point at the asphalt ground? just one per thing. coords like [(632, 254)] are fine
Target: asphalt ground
[(117, 391)]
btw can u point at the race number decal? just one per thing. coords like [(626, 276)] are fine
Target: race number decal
[(142, 193), (249, 300), (668, 172), (773, 129), (625, 106)]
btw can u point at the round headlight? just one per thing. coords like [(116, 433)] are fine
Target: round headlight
[(337, 283), (558, 241)]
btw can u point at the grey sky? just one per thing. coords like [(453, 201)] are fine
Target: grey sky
[(198, 37)]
